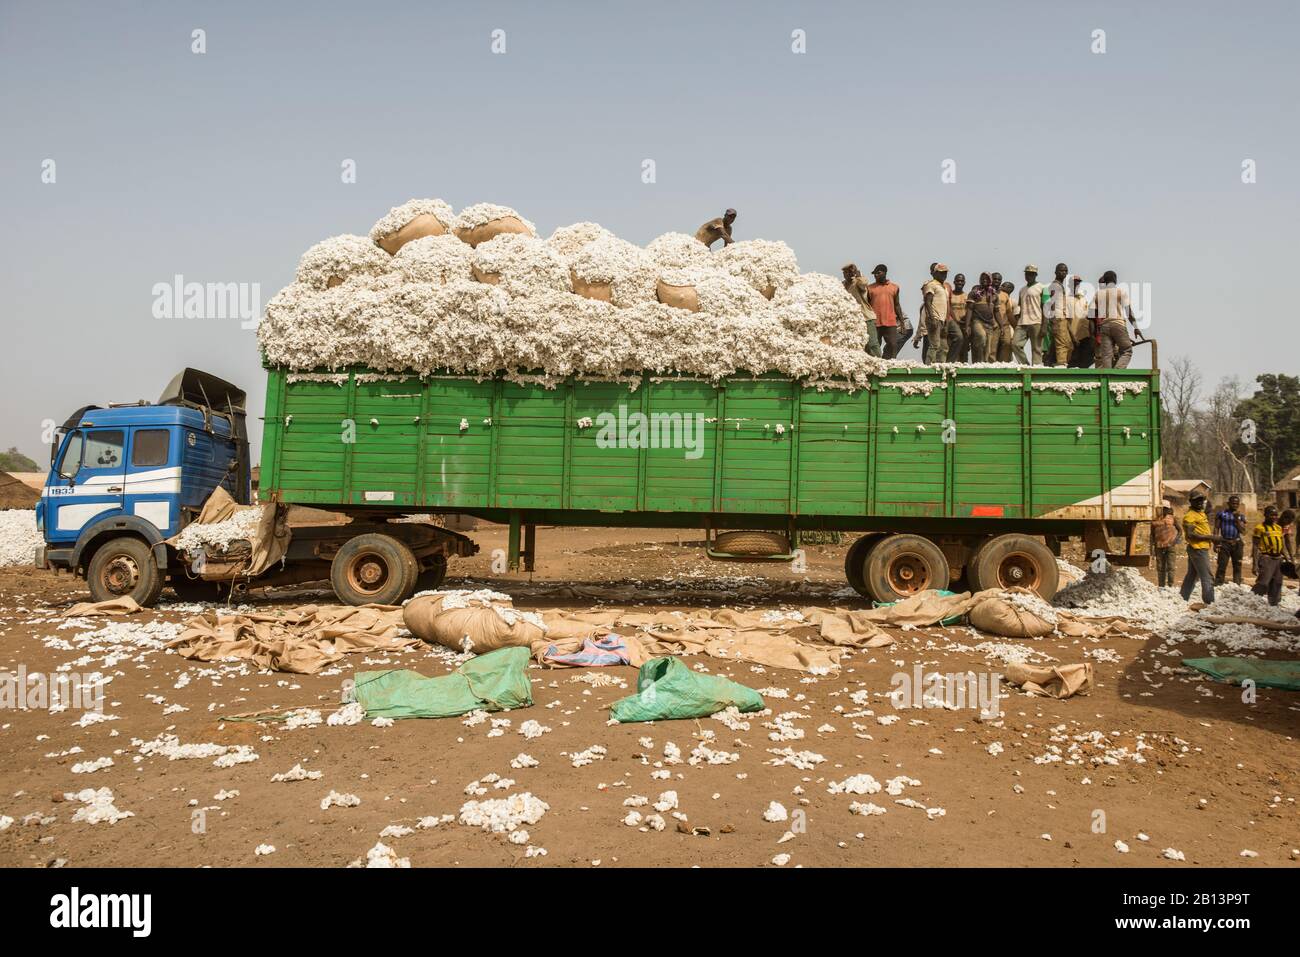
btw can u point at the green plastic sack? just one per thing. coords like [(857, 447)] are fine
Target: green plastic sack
[(1266, 674), (666, 688), (493, 682)]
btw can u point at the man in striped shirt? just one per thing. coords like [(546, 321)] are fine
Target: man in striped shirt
[(1269, 548)]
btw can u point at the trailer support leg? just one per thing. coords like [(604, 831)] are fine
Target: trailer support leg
[(512, 557), (530, 546)]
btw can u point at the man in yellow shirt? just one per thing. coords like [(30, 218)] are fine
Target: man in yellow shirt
[(1268, 548), (1196, 529)]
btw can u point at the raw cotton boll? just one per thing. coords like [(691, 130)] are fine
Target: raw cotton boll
[(411, 220), (818, 306), (677, 251), (299, 328), (722, 294), (435, 259), (620, 266), (669, 340), (521, 265), (766, 265), (567, 241), (390, 325), (330, 262), (485, 221), (562, 333)]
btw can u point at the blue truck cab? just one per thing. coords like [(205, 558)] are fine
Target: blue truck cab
[(125, 478)]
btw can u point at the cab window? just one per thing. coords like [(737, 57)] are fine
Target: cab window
[(71, 460), (103, 449), (150, 447)]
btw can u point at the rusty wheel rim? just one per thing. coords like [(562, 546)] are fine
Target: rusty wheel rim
[(908, 574), (121, 575), (1019, 569), (368, 573)]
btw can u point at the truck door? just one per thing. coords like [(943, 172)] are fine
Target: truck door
[(87, 483)]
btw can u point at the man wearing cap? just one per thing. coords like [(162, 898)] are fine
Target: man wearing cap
[(938, 316), (1060, 311), (883, 296), (856, 285), (716, 229), (1196, 528), (1030, 327), (1165, 534), (1230, 526), (1115, 348)]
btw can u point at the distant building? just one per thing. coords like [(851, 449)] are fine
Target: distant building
[(1287, 492), (1179, 491)]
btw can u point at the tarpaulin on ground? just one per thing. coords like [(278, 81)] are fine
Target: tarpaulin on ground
[(602, 652), (300, 640), (666, 689), (268, 544), (1266, 674), (1051, 681), (496, 681), (111, 607)]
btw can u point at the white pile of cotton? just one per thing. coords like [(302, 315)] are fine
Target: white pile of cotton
[(219, 536), (18, 536), (582, 302), (1123, 593)]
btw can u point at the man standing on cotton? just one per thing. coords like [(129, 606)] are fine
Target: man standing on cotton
[(1060, 311), (856, 285), (883, 296), (1196, 529), (716, 229), (1230, 526), (937, 314), (1030, 326), (1115, 348)]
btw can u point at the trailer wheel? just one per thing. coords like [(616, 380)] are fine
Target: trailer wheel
[(758, 544), (854, 559), (899, 566), (431, 577), (1014, 560), (374, 569), (124, 568)]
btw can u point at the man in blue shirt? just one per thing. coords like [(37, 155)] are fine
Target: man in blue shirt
[(1230, 526)]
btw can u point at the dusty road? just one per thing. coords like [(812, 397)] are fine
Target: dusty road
[(1154, 758)]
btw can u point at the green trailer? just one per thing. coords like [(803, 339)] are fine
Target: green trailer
[(956, 476)]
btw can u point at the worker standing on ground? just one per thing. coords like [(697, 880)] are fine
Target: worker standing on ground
[(1029, 327), (1165, 534), (883, 296), (1268, 549), (1060, 312), (937, 314), (1115, 348), (1230, 526), (959, 306), (856, 284), (1196, 528), (716, 229)]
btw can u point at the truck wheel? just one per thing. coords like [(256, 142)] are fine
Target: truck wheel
[(854, 559), (431, 577), (124, 567), (757, 544), (374, 569), (1010, 560), (900, 566)]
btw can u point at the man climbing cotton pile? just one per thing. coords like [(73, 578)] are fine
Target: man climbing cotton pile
[(716, 229)]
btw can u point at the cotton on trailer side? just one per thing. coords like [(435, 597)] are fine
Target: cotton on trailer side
[(957, 475)]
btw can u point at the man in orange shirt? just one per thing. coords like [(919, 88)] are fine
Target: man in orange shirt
[(883, 297), (1165, 534)]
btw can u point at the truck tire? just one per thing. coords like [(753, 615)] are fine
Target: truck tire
[(1010, 560), (757, 544), (374, 569), (432, 577), (899, 566), (854, 560), (124, 567)]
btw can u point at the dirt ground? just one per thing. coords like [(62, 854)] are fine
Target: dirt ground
[(1217, 776)]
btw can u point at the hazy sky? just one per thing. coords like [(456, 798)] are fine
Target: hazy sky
[(225, 166)]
